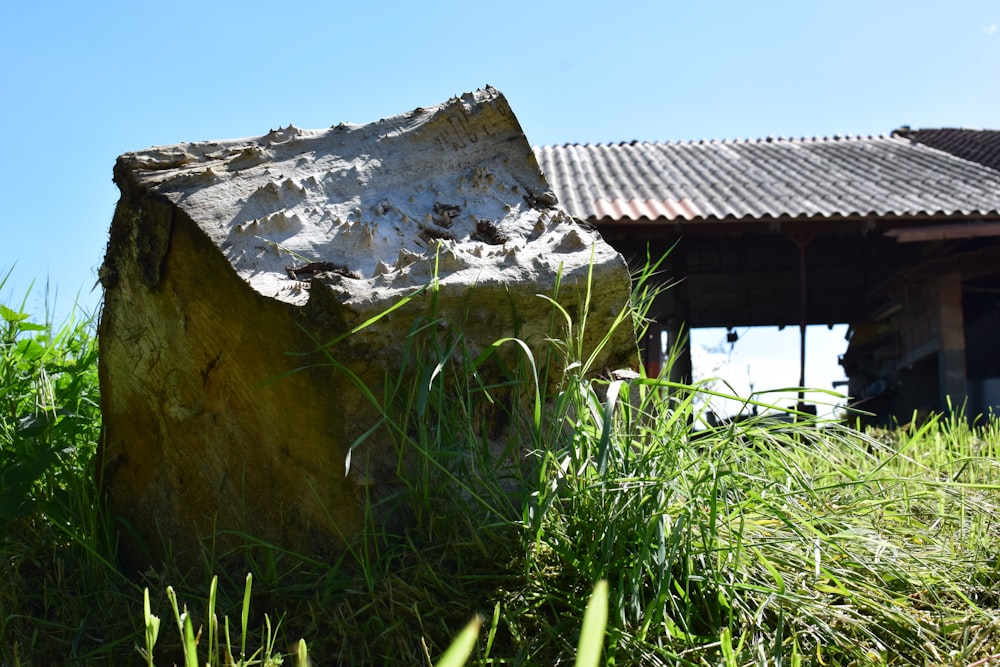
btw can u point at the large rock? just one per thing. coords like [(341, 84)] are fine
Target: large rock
[(228, 258)]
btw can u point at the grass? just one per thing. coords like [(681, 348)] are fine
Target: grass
[(531, 486)]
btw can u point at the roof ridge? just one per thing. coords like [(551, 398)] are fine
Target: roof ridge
[(728, 140)]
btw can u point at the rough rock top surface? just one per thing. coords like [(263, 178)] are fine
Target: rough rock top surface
[(373, 210)]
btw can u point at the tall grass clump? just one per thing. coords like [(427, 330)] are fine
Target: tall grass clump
[(759, 542), (528, 476), (55, 553), (63, 598), (532, 486)]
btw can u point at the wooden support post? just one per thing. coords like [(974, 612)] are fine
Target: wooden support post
[(679, 324), (802, 241), (951, 327), (652, 352)]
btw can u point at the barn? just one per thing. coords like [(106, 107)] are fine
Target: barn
[(897, 236)]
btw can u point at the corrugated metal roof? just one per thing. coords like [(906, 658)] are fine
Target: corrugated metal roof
[(982, 146), (772, 178)]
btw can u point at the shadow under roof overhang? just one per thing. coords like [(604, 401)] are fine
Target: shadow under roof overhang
[(747, 272)]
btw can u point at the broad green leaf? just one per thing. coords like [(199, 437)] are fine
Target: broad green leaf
[(12, 316)]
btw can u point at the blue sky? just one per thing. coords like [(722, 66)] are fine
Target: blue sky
[(84, 82)]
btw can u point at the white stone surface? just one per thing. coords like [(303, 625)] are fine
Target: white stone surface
[(374, 210)]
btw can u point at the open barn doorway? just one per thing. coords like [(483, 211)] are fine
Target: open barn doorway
[(757, 361)]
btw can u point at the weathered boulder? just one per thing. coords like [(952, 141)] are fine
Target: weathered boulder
[(228, 258)]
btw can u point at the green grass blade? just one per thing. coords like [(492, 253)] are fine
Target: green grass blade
[(461, 648), (245, 616), (604, 444), (595, 622), (152, 625), (190, 647), (301, 654), (210, 621)]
